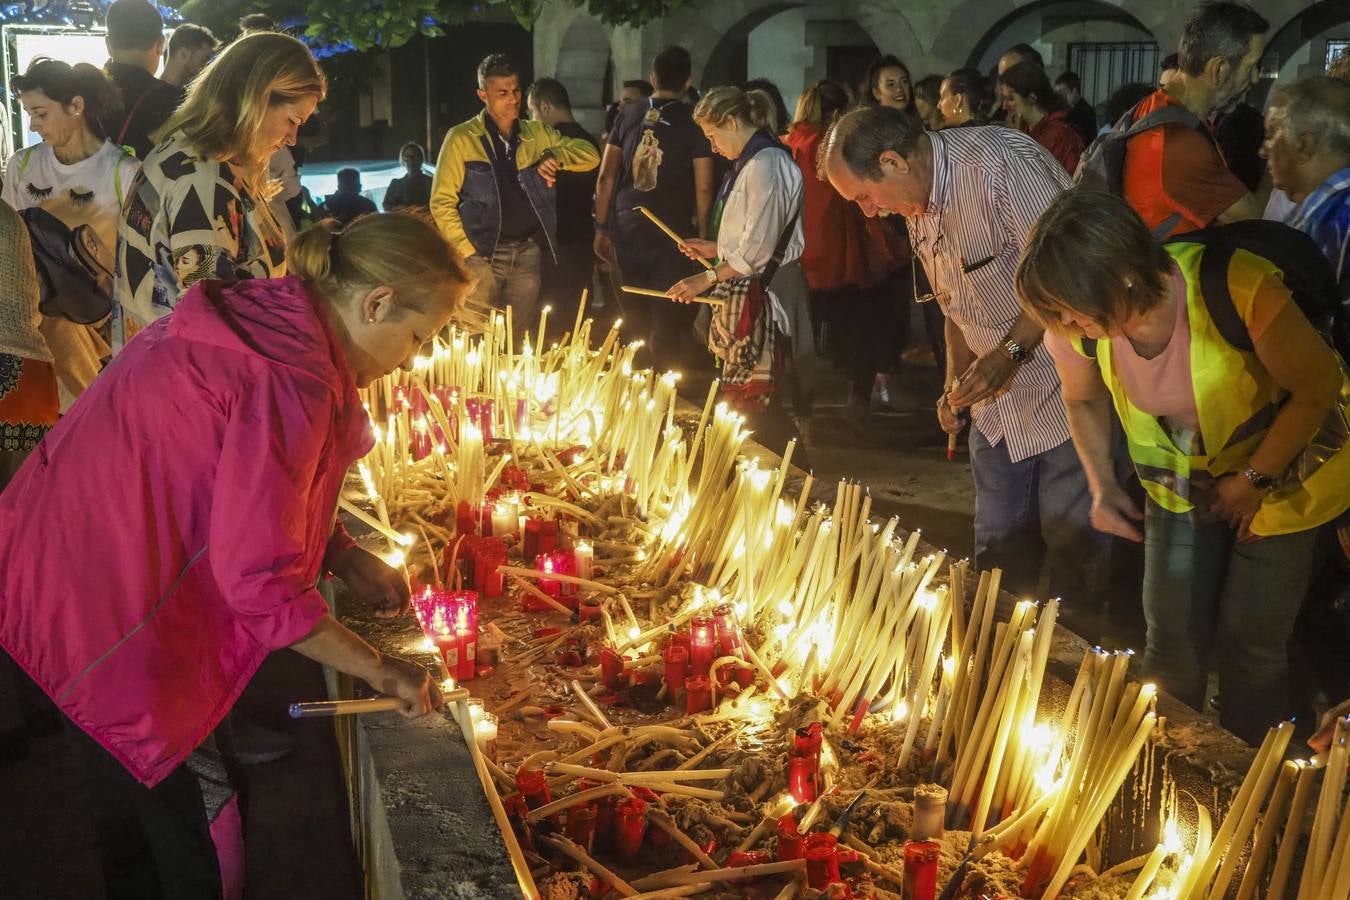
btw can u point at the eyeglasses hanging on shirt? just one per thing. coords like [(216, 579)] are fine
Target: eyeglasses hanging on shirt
[(930, 296)]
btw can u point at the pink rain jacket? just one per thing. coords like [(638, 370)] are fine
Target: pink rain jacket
[(170, 531)]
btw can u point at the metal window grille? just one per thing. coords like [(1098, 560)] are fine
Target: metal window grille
[(1105, 66), (1335, 50)]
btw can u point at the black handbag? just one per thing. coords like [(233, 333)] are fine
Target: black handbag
[(72, 282)]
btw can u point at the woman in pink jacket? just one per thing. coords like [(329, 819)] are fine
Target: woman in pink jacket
[(217, 443)]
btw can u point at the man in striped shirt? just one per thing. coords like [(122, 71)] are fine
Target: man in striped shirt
[(970, 196)]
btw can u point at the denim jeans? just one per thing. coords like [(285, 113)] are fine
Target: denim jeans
[(510, 278), (1035, 513), (1205, 591)]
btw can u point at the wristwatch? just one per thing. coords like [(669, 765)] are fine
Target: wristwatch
[(1259, 480), (1016, 352), (711, 276)]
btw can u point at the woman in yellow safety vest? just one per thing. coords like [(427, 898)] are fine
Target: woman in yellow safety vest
[(1242, 453)]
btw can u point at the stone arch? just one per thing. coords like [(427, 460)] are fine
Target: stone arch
[(583, 65), (1299, 46)]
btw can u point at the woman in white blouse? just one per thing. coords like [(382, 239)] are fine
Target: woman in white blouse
[(757, 220)]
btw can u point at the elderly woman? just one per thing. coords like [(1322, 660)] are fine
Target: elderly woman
[(1242, 453), (758, 223), (218, 441), (200, 206)]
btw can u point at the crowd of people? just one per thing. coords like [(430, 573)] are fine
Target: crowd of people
[(1140, 318)]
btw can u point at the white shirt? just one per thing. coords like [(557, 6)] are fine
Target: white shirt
[(768, 190), (1279, 208), (89, 192), (281, 167)]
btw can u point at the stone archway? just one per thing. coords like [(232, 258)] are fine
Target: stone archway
[(1299, 47)]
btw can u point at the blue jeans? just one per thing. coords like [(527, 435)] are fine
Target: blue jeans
[(1032, 514), (1203, 590), (510, 278)]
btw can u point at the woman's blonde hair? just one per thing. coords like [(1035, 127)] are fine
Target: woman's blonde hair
[(1090, 255), (226, 103), (724, 104), (400, 250)]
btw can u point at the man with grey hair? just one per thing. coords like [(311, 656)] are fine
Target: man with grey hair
[(1174, 175), (1308, 148), (970, 197)]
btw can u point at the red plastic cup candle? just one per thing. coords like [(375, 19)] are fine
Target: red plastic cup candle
[(541, 536), (697, 695), (791, 845), (924, 847), (729, 640), (702, 645), (546, 564), (581, 825), (630, 824), (804, 764), (822, 859), (589, 610), (611, 668), (465, 609), (488, 555), (533, 787), (677, 668), (466, 518)]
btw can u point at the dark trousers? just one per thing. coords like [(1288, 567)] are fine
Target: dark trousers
[(665, 326), (153, 843), (864, 329)]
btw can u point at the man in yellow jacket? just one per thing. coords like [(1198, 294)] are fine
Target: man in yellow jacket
[(493, 197)]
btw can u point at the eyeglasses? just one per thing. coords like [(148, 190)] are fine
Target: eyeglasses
[(914, 274)]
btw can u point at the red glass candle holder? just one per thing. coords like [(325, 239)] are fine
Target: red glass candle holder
[(702, 645), (697, 695), (541, 536), (677, 669), (791, 845), (589, 610), (822, 859), (630, 824), (745, 676)]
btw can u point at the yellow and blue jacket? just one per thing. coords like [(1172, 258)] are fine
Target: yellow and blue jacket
[(464, 199)]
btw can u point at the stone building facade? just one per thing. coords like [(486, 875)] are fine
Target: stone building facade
[(796, 43)]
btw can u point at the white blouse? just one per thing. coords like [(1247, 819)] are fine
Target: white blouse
[(768, 190)]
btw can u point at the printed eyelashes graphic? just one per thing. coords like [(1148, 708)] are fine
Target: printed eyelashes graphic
[(80, 199), (37, 193)]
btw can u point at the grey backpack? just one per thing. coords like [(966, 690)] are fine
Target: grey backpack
[(1102, 165)]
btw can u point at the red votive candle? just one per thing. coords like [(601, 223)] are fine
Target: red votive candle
[(465, 607), (804, 764), (531, 544), (729, 638), (533, 786), (697, 695), (745, 676), (677, 668), (611, 668), (702, 645), (581, 825), (630, 823), (488, 555), (822, 860), (589, 610), (791, 845), (466, 518)]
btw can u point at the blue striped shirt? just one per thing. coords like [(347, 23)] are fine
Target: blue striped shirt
[(990, 184)]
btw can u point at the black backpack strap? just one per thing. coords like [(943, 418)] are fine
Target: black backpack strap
[(1089, 346), (1219, 299)]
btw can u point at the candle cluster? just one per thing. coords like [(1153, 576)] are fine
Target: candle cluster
[(560, 478)]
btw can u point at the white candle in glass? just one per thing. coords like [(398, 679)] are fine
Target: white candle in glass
[(485, 733), (584, 556)]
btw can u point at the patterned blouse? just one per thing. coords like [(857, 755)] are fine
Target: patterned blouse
[(187, 219)]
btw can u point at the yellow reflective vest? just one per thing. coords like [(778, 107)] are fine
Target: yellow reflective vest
[(1236, 399)]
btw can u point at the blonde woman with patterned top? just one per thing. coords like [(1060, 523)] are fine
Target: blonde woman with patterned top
[(199, 208)]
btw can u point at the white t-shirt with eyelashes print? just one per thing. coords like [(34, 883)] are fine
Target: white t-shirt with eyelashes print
[(89, 192)]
